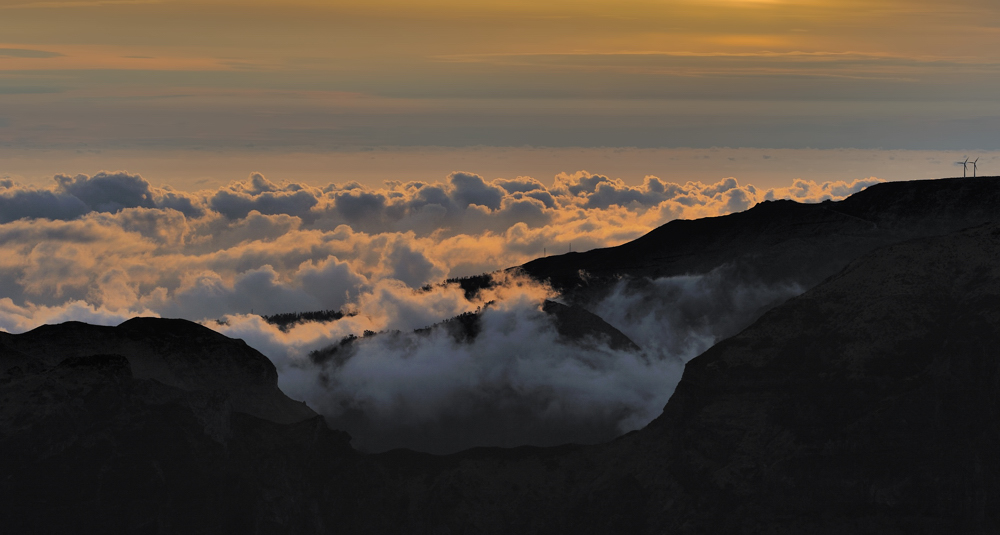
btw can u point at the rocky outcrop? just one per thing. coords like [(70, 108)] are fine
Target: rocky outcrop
[(784, 241), (98, 443), (175, 353), (577, 325)]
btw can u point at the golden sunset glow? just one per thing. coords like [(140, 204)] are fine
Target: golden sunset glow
[(310, 77), (318, 35), (222, 161)]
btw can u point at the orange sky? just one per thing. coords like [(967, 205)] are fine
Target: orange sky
[(315, 76)]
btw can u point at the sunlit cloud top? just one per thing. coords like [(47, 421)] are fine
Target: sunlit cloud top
[(113, 242)]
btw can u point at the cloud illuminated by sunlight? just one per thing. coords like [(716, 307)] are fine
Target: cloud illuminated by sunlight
[(113, 244)]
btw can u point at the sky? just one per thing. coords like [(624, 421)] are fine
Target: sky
[(217, 160), (207, 92)]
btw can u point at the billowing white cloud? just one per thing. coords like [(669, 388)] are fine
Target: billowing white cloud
[(258, 194), (809, 191), (72, 197), (107, 247), (112, 240), (516, 381)]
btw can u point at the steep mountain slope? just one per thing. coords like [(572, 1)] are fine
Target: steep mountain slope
[(577, 325), (784, 240), (176, 353), (866, 405), (869, 402)]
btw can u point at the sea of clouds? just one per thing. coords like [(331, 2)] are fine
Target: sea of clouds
[(110, 246)]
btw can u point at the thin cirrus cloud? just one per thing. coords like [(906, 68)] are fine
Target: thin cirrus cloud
[(62, 59), (871, 68), (27, 53)]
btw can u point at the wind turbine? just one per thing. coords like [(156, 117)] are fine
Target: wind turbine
[(974, 167), (965, 166)]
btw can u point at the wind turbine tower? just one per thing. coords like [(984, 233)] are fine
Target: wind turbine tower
[(974, 167), (965, 166)]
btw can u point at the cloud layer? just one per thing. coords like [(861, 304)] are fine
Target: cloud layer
[(106, 247), (516, 381), (114, 242)]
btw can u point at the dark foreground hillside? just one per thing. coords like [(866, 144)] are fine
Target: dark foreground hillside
[(869, 404), (179, 430)]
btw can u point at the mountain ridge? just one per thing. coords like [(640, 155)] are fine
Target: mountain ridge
[(820, 238), (175, 352)]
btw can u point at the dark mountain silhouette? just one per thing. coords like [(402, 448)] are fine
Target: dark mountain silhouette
[(574, 324), (175, 353), (775, 242), (866, 405), (783, 240), (179, 430), (577, 325)]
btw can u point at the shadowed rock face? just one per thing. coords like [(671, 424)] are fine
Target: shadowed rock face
[(574, 324), (866, 405), (579, 326), (868, 402), (176, 353), (198, 442), (784, 240)]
